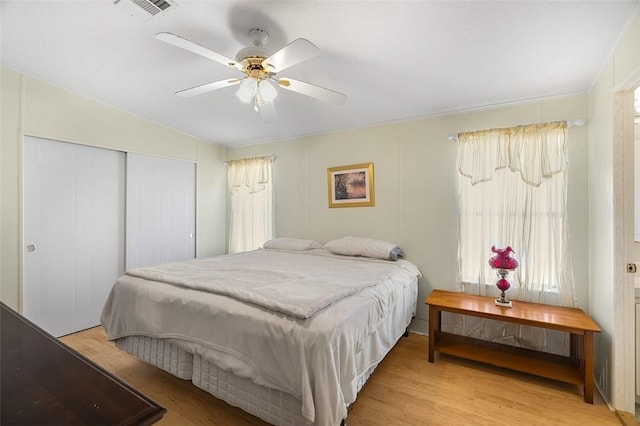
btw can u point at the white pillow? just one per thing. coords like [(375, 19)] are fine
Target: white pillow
[(291, 244), (367, 247)]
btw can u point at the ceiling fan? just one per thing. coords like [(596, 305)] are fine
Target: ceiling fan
[(260, 69)]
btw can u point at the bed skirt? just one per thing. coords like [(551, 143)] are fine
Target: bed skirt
[(159, 352), (271, 405)]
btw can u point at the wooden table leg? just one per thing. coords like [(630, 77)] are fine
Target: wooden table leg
[(434, 325), (588, 367)]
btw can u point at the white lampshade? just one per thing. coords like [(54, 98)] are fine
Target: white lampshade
[(267, 91), (248, 89)]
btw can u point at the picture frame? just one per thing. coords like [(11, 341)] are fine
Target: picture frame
[(351, 186)]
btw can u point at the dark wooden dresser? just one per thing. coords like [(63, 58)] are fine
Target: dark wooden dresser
[(44, 382)]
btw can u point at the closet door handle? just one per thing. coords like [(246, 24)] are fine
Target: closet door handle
[(31, 248)]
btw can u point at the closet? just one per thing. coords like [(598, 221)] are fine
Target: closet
[(88, 214), (160, 213)]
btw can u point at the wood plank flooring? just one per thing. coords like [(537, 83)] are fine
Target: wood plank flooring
[(405, 390)]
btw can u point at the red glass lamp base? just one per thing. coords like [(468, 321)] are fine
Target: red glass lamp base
[(503, 285)]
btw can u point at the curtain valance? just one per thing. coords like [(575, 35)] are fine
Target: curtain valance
[(536, 151), (253, 173)]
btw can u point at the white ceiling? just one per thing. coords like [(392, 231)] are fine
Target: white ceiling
[(395, 60)]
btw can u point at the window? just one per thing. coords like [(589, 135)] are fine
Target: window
[(513, 191), (251, 216)]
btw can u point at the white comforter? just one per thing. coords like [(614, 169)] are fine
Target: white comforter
[(317, 359), (298, 286)]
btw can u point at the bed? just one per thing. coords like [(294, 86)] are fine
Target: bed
[(289, 332)]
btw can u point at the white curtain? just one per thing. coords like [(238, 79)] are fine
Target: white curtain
[(513, 192), (250, 188)]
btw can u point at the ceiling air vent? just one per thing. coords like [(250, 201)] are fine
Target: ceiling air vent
[(145, 8), (153, 7)]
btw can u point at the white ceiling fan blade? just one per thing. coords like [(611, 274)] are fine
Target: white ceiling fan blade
[(197, 49), (312, 90), (208, 87), (293, 53)]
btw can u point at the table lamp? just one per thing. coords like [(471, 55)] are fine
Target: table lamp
[(502, 262)]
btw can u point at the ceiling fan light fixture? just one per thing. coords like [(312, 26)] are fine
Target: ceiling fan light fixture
[(248, 89), (267, 91), (257, 87)]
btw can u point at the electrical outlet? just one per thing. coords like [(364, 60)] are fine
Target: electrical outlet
[(631, 268)]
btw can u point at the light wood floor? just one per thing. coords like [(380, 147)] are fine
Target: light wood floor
[(404, 390)]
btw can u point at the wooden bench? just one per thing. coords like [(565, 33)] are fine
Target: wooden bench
[(577, 368)]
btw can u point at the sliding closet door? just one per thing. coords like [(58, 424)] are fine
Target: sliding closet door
[(73, 232), (160, 210)]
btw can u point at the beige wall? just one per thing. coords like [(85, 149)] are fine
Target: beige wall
[(31, 107), (623, 66), (415, 187)]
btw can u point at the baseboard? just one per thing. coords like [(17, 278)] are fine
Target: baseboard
[(627, 419)]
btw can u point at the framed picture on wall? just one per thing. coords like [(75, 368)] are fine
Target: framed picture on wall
[(351, 186)]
